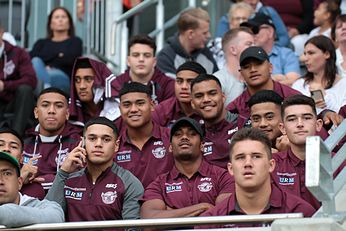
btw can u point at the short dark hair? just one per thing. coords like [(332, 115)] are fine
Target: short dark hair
[(298, 100), (205, 77), (82, 63), (192, 66), (134, 87), (71, 32), (251, 134), (141, 39), (265, 96), (53, 90), (13, 132), (102, 121)]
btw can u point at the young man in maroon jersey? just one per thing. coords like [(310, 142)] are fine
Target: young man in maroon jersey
[(53, 137), (256, 70), (208, 101), (193, 185), (144, 145), (100, 190), (251, 164), (299, 120), (12, 143), (178, 106)]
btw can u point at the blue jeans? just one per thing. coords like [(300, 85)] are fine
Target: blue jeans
[(52, 77)]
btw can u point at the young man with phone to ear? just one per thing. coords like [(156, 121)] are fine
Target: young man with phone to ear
[(89, 185)]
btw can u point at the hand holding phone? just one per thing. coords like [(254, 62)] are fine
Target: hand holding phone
[(317, 95)]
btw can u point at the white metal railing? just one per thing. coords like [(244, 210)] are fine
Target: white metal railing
[(320, 166), (161, 223)]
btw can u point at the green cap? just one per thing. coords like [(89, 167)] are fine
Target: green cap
[(11, 159)]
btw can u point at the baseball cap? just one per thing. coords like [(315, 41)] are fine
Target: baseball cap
[(253, 52), (258, 20), (7, 157), (187, 121)]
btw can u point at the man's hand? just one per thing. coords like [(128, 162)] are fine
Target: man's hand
[(75, 159), (202, 207), (282, 143), (29, 171), (332, 117)]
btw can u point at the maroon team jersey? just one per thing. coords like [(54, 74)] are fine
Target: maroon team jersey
[(240, 104), (109, 198), (279, 202), (169, 111), (177, 191), (289, 175), (216, 143), (153, 160), (162, 86)]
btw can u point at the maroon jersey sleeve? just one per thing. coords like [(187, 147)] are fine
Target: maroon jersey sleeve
[(153, 191)]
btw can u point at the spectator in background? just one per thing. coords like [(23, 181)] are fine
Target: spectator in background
[(87, 95), (282, 38), (238, 13), (285, 63), (53, 57), (251, 163), (12, 143), (321, 80), (324, 17), (142, 68), (298, 18), (17, 84), (53, 138), (17, 209), (188, 44), (143, 145), (193, 185), (339, 36), (89, 186), (167, 112), (233, 43), (296, 14)]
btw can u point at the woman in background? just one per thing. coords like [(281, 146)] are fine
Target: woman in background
[(53, 57), (321, 81)]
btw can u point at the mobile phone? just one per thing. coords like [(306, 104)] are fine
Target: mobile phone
[(317, 95), (83, 142)]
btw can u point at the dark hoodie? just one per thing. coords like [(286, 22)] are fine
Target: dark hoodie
[(16, 69), (173, 55), (162, 87), (51, 152), (78, 114)]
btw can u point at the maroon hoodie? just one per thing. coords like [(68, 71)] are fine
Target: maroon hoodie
[(162, 87), (16, 69), (52, 153), (78, 114)]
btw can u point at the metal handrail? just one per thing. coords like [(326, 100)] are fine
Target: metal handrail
[(160, 223), (320, 167)]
